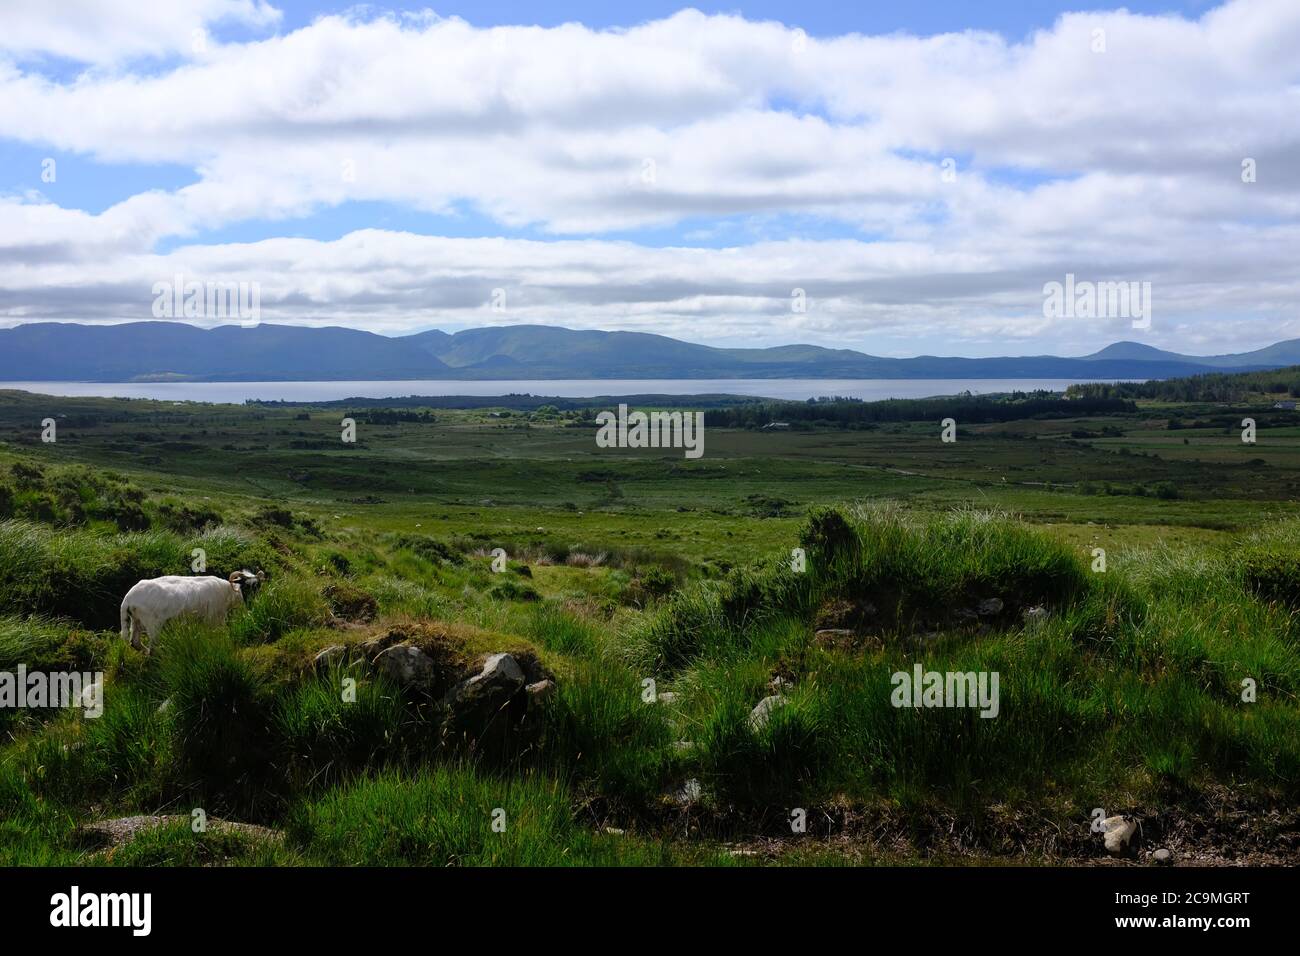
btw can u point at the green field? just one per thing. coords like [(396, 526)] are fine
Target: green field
[(1120, 689)]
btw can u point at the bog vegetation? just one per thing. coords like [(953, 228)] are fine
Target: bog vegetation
[(667, 600)]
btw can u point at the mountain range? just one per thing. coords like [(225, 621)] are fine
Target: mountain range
[(174, 351)]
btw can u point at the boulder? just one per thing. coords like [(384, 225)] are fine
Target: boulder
[(762, 712), (483, 701), (407, 666), (989, 607)]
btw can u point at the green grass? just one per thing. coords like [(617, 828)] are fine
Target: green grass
[(646, 568)]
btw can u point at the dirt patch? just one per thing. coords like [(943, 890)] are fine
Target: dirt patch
[(1221, 828), (349, 603), (110, 834)]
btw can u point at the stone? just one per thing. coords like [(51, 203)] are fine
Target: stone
[(1034, 615), (989, 606), (1162, 857), (122, 830), (779, 684), (332, 656), (683, 746), (477, 700), (762, 712), (690, 793), (539, 693), (165, 707), (407, 666), (667, 697), (1118, 834)]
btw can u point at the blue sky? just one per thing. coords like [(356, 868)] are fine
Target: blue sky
[(918, 170)]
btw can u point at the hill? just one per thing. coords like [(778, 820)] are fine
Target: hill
[(143, 351)]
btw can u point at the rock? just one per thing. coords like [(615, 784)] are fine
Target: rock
[(122, 830), (538, 693), (165, 707), (667, 697), (373, 646), (762, 712), (1034, 615), (779, 684), (332, 656), (407, 666), (690, 793), (1162, 857), (477, 702), (1118, 834), (989, 606), (613, 831)]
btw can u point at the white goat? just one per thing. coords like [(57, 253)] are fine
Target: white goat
[(152, 603)]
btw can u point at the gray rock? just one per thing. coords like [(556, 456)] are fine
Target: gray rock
[(762, 712), (667, 697), (407, 666), (989, 606), (1162, 857), (539, 693), (779, 684), (165, 707), (1118, 834), (477, 700), (332, 656), (833, 635), (1034, 615), (683, 746), (690, 793)]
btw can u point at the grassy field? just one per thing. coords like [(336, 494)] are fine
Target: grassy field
[(631, 575)]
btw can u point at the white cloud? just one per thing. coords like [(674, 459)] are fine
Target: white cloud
[(1126, 164), (102, 33)]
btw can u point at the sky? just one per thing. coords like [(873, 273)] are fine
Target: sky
[(896, 178)]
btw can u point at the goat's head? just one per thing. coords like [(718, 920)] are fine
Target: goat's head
[(246, 583)]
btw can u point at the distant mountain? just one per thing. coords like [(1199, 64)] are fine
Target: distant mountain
[(1274, 356), (143, 351)]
